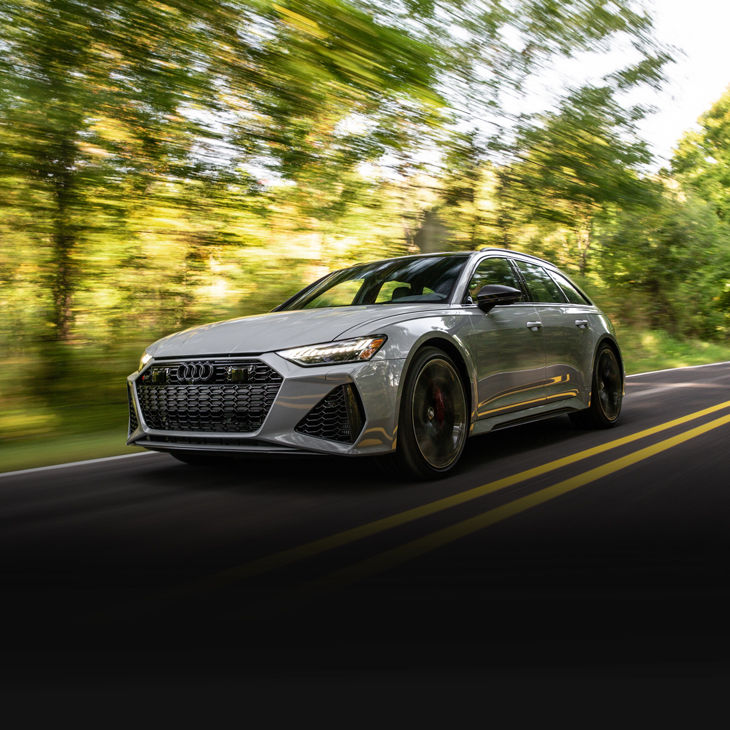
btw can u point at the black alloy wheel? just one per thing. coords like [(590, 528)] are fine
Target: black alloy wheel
[(434, 417), (606, 392)]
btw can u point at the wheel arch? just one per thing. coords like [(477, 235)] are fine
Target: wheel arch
[(458, 354), (611, 342)]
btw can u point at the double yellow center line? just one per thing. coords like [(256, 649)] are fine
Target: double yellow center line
[(436, 539), (399, 555)]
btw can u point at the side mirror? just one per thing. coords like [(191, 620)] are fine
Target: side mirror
[(492, 294)]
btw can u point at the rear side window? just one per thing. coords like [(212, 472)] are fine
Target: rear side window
[(569, 289), (492, 271), (541, 287)]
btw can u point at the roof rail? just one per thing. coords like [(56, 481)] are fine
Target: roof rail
[(516, 253)]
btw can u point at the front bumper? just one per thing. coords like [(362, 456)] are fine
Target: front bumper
[(376, 384)]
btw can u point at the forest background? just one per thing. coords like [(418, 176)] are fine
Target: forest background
[(165, 164)]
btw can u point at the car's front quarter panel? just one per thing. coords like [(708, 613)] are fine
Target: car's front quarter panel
[(448, 326)]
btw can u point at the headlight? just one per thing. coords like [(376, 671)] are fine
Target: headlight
[(144, 360), (333, 353)]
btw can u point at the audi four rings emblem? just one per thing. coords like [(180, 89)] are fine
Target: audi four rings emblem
[(195, 372)]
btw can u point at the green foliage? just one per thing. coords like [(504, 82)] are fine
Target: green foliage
[(168, 163), (702, 160), (581, 159), (670, 265), (645, 350), (573, 165)]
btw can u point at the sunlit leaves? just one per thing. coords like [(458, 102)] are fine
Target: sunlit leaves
[(702, 158), (157, 142), (575, 164)]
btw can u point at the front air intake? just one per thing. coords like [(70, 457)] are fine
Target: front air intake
[(337, 417), (133, 424)]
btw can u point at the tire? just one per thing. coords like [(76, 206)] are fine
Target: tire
[(606, 392), (433, 420)]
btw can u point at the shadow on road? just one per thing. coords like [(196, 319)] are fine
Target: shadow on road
[(324, 474)]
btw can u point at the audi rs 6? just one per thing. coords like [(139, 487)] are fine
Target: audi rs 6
[(407, 356)]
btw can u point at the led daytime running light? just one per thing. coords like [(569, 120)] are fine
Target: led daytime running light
[(144, 360), (331, 353)]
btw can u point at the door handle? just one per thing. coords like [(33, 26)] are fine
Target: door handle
[(581, 323), (534, 326)]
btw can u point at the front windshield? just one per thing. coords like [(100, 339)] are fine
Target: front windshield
[(398, 281)]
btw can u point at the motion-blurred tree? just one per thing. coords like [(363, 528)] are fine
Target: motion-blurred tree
[(489, 52), (106, 100), (702, 159), (96, 92), (575, 164), (165, 162), (670, 264)]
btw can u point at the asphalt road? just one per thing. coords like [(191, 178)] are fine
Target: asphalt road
[(551, 550)]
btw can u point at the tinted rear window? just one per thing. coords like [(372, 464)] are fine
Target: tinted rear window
[(569, 289), (541, 287)]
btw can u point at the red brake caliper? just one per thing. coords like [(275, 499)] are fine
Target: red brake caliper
[(438, 398)]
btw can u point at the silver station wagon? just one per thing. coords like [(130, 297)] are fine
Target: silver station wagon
[(408, 356)]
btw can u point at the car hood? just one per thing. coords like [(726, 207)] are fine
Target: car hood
[(280, 330)]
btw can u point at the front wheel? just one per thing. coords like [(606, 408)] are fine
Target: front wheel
[(606, 392), (434, 419)]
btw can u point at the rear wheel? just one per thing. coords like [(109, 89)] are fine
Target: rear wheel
[(434, 419), (606, 392)]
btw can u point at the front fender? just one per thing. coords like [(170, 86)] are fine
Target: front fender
[(446, 331)]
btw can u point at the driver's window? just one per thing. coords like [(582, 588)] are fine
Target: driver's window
[(491, 271)]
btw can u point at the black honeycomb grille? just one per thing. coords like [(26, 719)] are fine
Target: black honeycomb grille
[(224, 396), (133, 423), (337, 417)]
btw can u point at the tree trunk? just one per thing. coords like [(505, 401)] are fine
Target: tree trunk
[(584, 243), (63, 242), (432, 234), (503, 219)]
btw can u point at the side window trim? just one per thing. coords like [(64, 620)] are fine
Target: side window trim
[(520, 280), (523, 282), (528, 293), (586, 303)]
